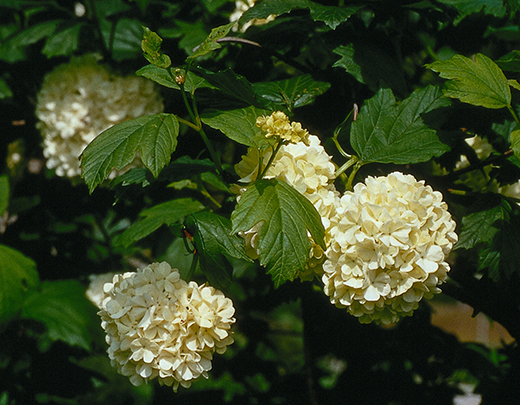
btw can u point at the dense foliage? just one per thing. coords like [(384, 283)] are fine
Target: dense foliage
[(427, 88)]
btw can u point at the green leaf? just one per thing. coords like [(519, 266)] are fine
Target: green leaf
[(467, 7), (480, 82), (286, 216), (210, 43), (151, 219), (214, 243), (124, 40), (514, 138), (5, 91), (63, 42), (151, 46), (386, 132), (18, 276), (290, 93), (65, 311), (154, 136), (5, 193), (510, 62), (371, 66), (330, 15), (232, 85), (238, 125), (265, 8), (161, 76)]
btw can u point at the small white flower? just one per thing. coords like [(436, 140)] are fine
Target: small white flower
[(81, 99), (389, 241), (160, 326)]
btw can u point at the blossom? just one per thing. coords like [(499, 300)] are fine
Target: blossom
[(241, 7), (389, 241), (158, 325), (309, 169), (278, 124), (81, 99)]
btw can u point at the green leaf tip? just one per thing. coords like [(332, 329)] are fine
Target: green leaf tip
[(151, 46), (211, 42)]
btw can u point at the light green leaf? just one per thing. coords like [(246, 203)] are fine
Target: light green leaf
[(161, 76), (5, 91), (238, 125), (213, 241), (514, 84), (63, 42), (210, 43), (65, 311), (385, 132), (18, 276), (151, 46), (285, 216), (151, 219), (480, 82), (154, 136), (514, 139), (330, 15), (5, 193), (291, 93)]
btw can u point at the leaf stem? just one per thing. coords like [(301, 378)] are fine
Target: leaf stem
[(355, 169), (353, 160), (512, 111), (271, 159)]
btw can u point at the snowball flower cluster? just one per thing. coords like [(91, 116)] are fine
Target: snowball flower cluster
[(306, 167), (81, 99), (158, 325), (389, 241), (278, 124)]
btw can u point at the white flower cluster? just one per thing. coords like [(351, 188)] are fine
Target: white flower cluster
[(278, 125), (388, 243), (307, 168), (81, 99), (241, 7), (160, 326)]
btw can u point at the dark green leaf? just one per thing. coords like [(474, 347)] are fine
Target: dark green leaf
[(389, 133), (5, 193), (154, 136), (467, 7), (479, 82), (291, 93), (5, 91), (330, 15), (151, 219), (65, 311), (18, 276), (214, 242), (238, 125), (137, 175), (371, 66), (151, 46), (185, 167), (63, 42), (159, 75), (265, 8), (514, 138), (210, 43), (286, 216), (232, 85), (125, 40)]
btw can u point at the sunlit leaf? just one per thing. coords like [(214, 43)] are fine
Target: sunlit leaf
[(151, 46), (166, 78), (153, 136), (65, 311), (285, 216), (18, 276), (152, 218), (387, 132), (478, 82), (290, 93), (514, 138)]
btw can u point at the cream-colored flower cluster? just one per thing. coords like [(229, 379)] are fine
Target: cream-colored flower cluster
[(241, 7), (160, 326), (307, 168), (388, 243), (81, 99), (278, 124)]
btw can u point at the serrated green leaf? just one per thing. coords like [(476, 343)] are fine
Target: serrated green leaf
[(161, 76), (65, 311), (210, 43), (151, 46), (232, 85), (385, 132), (286, 216), (331, 15), (371, 66), (214, 242), (468, 7), (154, 136), (18, 276), (238, 125), (63, 42), (151, 219), (480, 82), (5, 91), (514, 139), (5, 193), (124, 40), (265, 8), (291, 93)]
